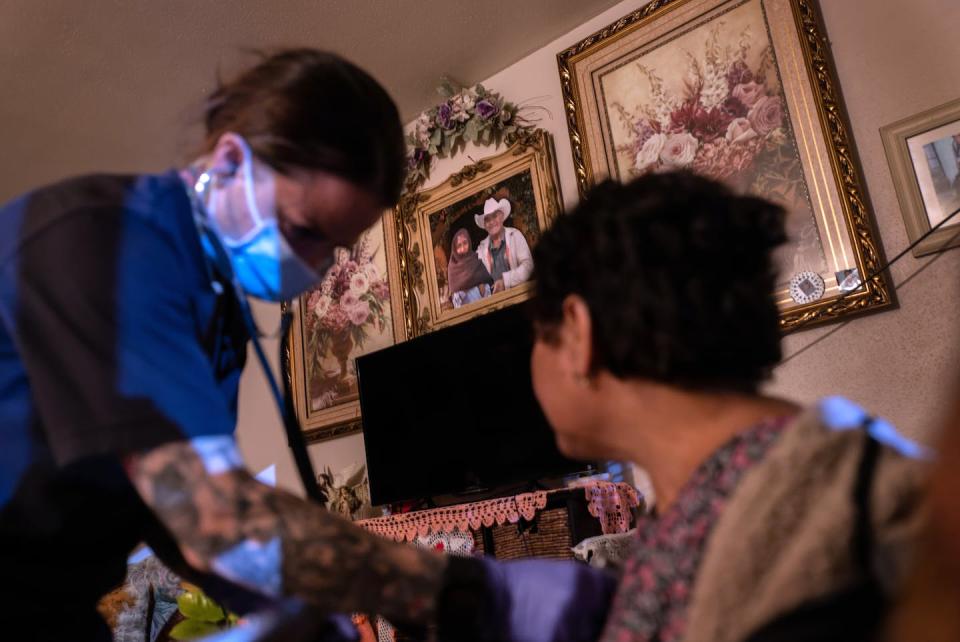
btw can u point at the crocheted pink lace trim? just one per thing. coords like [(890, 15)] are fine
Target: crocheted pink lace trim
[(612, 504), (608, 502)]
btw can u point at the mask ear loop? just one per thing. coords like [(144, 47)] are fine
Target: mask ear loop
[(246, 166)]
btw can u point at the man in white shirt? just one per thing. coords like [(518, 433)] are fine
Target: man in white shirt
[(504, 252)]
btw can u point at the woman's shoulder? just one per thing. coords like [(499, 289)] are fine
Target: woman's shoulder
[(784, 538)]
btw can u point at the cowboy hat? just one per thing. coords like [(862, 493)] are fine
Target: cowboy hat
[(492, 205)]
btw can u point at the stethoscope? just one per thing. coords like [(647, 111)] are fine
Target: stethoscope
[(283, 399)]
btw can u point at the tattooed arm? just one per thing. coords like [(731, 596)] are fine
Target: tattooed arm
[(228, 523)]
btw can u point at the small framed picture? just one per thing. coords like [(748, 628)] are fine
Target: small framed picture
[(924, 156), (465, 246)]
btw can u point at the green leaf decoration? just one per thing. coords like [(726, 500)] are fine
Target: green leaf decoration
[(472, 131), (198, 606), (193, 629), (436, 137)]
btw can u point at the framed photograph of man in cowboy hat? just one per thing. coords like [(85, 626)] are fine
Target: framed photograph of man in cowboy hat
[(465, 246)]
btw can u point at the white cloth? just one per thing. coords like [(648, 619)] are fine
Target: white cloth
[(518, 257)]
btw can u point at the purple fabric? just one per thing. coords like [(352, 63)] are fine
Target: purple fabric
[(530, 600)]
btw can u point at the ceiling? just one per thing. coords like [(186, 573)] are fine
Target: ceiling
[(117, 84)]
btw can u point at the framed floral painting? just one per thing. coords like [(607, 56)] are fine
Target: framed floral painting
[(354, 311), (924, 156), (465, 246), (741, 91)]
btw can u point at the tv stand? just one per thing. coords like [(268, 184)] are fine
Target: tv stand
[(542, 523)]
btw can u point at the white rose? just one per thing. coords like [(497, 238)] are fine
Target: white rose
[(679, 150), (322, 306), (740, 131), (649, 154), (359, 284)]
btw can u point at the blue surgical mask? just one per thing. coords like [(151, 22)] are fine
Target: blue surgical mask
[(263, 263)]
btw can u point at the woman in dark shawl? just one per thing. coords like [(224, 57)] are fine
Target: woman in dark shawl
[(467, 278)]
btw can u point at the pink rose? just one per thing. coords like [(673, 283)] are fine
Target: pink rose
[(336, 319), (740, 131), (749, 93), (359, 315), (649, 154), (349, 300), (766, 115), (679, 150)]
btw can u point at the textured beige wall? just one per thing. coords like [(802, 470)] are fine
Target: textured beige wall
[(894, 58)]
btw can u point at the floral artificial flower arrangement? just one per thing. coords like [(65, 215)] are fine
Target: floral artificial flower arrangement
[(472, 114), (352, 297), (728, 116)]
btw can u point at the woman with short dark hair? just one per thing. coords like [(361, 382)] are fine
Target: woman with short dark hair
[(656, 324)]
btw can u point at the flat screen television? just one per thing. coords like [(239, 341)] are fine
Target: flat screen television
[(453, 411)]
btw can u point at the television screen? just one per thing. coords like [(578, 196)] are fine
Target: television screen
[(453, 411)]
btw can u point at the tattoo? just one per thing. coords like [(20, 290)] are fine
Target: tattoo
[(245, 531)]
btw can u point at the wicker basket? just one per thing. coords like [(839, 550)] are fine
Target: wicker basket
[(547, 536)]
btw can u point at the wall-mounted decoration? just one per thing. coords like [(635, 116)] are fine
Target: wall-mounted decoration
[(348, 492), (924, 156), (466, 115), (742, 91), (464, 246), (353, 311)]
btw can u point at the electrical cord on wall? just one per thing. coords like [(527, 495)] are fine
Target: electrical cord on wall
[(903, 253), (886, 266)]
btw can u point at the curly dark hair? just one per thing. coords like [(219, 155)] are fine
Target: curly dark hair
[(678, 275)]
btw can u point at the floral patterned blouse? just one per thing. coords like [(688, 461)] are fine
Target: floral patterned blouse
[(654, 591)]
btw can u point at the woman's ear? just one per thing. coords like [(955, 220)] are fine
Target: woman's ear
[(576, 335), (226, 156)]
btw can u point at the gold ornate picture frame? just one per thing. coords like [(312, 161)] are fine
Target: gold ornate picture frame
[(923, 152), (523, 182), (355, 310), (743, 91)]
